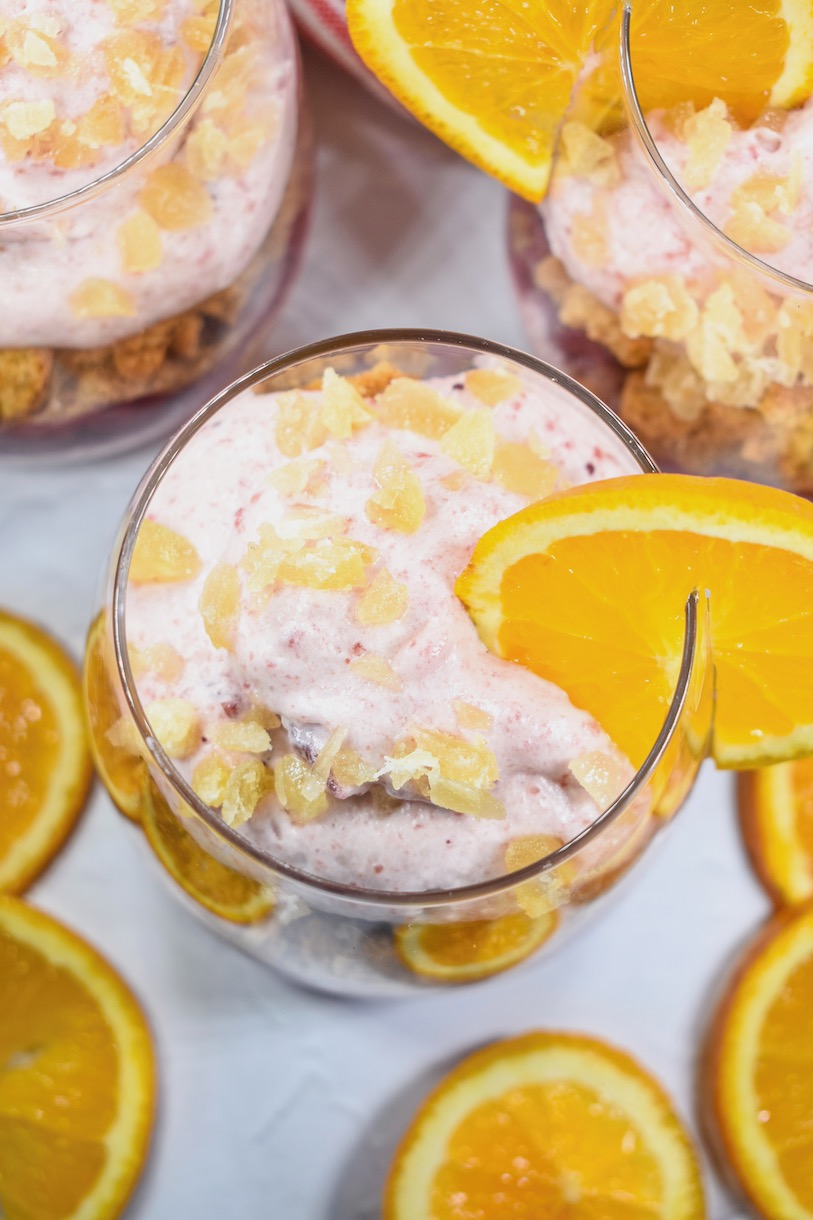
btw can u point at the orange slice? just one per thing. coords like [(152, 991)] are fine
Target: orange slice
[(776, 815), (759, 1075), (76, 1075), (45, 767), (466, 952), (495, 81), (122, 771), (588, 587), (213, 885), (551, 1125)]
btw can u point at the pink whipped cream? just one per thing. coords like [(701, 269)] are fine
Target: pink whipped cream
[(83, 84), (295, 649), (645, 235)]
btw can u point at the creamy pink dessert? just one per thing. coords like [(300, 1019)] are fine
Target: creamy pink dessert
[(298, 647), (83, 85)]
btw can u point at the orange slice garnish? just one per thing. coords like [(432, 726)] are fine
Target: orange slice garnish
[(76, 1077), (215, 886), (466, 952), (776, 815), (121, 769), (587, 589), (45, 767), (496, 81), (548, 1124), (759, 1070)]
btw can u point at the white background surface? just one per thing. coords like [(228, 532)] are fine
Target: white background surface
[(277, 1104)]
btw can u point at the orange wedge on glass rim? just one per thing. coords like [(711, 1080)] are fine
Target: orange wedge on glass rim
[(495, 81), (776, 816), (77, 1083), (547, 1124), (587, 589), (757, 1078), (45, 767)]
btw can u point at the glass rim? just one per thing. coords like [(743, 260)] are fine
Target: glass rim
[(187, 105), (671, 186), (120, 563)]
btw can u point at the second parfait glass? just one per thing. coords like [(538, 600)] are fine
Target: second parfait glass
[(337, 935)]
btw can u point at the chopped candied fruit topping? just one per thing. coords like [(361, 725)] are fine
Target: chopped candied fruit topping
[(662, 308), (209, 779), (350, 769), (197, 32), (463, 798), (750, 228), (415, 406), (492, 386), (719, 336), (343, 408), (144, 75), (793, 341), (162, 660), (585, 154), (162, 555), (176, 725), (308, 523), (33, 43), (234, 78), (300, 792), (528, 849), (99, 298), (408, 764), (589, 235), (327, 755), (130, 12), (23, 120), (770, 192), (219, 605), (469, 716), (455, 480), (206, 149), (375, 668), (245, 735), (247, 785), (102, 124), (294, 478), (175, 199), (603, 776), (385, 600), (471, 442), (332, 563), (517, 468), (139, 242), (299, 427), (399, 502), (707, 135), (469, 762), (543, 893)]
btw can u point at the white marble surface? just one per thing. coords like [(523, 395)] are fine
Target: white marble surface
[(275, 1102)]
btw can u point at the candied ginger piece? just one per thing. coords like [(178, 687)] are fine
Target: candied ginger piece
[(471, 442), (161, 555), (528, 849), (297, 477), (38, 50), (659, 308), (463, 798), (335, 563), (544, 893), (162, 660), (130, 12), (247, 785), (308, 523), (175, 199), (219, 605), (468, 762), (720, 335), (300, 792), (399, 502), (262, 560), (456, 480), (416, 407), (99, 298), (408, 763), (206, 149), (750, 228), (585, 154), (176, 725), (327, 755), (517, 468), (139, 242), (245, 735), (375, 668), (350, 769), (343, 408), (589, 235), (707, 135), (385, 600), (602, 776), (492, 386), (102, 124), (23, 120), (210, 779), (197, 32), (470, 716), (299, 427)]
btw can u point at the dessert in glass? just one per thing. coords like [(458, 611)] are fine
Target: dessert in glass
[(285, 692), (153, 187), (670, 268)]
